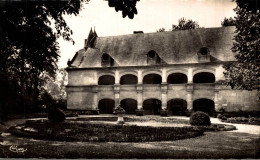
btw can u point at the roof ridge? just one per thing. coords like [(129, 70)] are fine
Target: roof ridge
[(164, 32)]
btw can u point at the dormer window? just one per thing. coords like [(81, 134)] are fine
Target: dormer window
[(204, 51), (105, 57), (153, 58), (151, 54), (204, 55), (107, 60)]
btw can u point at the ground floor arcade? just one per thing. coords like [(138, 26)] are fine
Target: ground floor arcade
[(154, 106), (151, 91)]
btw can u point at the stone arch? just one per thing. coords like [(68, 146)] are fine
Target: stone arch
[(198, 70), (204, 77), (205, 105), (129, 105), (106, 106), (177, 106), (122, 73), (177, 78), (170, 71), (154, 71), (106, 80), (128, 79), (106, 73), (152, 78), (152, 106)]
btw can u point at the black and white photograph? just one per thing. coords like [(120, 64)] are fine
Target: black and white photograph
[(130, 79)]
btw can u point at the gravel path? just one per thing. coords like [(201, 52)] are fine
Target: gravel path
[(242, 128)]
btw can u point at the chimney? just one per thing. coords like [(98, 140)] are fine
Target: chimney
[(138, 32)]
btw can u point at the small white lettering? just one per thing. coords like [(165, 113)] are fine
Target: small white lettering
[(16, 149)]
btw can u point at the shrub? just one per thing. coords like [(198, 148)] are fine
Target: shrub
[(219, 116), (56, 115), (200, 119), (119, 110), (224, 118)]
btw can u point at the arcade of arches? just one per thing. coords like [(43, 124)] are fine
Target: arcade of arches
[(153, 106), (106, 80), (128, 79), (175, 106), (177, 78), (152, 79), (174, 78)]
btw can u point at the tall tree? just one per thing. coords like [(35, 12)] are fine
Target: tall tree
[(185, 25), (245, 73), (128, 7), (161, 30), (29, 48), (228, 22)]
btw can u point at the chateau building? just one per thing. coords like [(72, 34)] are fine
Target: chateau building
[(156, 73)]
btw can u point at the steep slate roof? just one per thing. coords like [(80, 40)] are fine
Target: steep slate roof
[(173, 47)]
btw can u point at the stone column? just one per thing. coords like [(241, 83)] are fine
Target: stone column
[(95, 100), (216, 96), (189, 101), (139, 90), (164, 76), (164, 101), (189, 96), (190, 77), (216, 100), (117, 96), (95, 103), (190, 89), (117, 78), (117, 88), (96, 78), (140, 101), (139, 76), (164, 89)]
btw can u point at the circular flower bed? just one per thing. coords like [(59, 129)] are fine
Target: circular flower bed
[(100, 132), (105, 129)]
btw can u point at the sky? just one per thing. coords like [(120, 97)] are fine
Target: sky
[(152, 15)]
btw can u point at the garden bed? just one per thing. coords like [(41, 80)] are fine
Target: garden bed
[(135, 119), (105, 129), (242, 120), (99, 132)]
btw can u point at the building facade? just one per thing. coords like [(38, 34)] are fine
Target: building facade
[(156, 73)]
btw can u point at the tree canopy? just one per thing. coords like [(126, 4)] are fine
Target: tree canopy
[(161, 30), (245, 73), (128, 7), (228, 22), (185, 25), (249, 5), (29, 50)]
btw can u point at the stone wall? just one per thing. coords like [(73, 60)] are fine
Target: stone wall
[(84, 92)]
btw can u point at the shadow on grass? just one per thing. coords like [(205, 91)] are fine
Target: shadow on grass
[(212, 145)]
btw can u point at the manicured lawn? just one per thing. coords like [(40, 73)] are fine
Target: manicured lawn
[(221, 144), (211, 145)]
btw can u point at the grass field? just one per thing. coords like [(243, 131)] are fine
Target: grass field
[(222, 144)]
